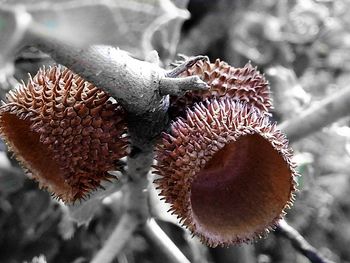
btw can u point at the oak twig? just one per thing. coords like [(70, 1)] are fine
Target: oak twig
[(299, 243), (319, 115), (163, 242)]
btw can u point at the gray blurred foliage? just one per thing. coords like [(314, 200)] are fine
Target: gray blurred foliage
[(128, 24), (303, 47)]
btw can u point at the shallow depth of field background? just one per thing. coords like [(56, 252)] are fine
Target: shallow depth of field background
[(303, 47)]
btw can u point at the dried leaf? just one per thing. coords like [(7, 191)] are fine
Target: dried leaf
[(13, 25), (128, 24)]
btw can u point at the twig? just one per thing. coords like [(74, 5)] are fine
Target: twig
[(299, 243), (116, 242), (189, 62), (318, 116), (178, 86), (199, 251), (163, 242), (171, 85)]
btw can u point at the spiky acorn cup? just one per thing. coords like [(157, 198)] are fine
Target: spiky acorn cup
[(65, 131), (245, 84), (226, 171)]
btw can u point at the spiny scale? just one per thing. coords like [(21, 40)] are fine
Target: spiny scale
[(245, 84), (71, 125), (259, 173)]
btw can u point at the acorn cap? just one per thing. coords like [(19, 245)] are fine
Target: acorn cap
[(65, 131), (245, 84), (226, 171)]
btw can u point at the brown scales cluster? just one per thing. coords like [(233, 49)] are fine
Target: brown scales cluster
[(226, 171), (65, 131), (224, 168), (244, 84)]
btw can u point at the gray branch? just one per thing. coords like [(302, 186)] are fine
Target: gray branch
[(318, 115), (163, 243), (133, 82), (117, 240), (300, 244)]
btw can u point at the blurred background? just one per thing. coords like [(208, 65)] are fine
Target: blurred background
[(302, 47)]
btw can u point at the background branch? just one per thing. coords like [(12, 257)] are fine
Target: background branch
[(299, 243), (163, 242), (117, 240), (318, 115), (135, 204)]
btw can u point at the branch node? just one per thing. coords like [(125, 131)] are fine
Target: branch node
[(184, 64), (178, 86)]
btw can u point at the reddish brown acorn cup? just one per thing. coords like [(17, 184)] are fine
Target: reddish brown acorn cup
[(65, 131), (244, 84), (226, 171)]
